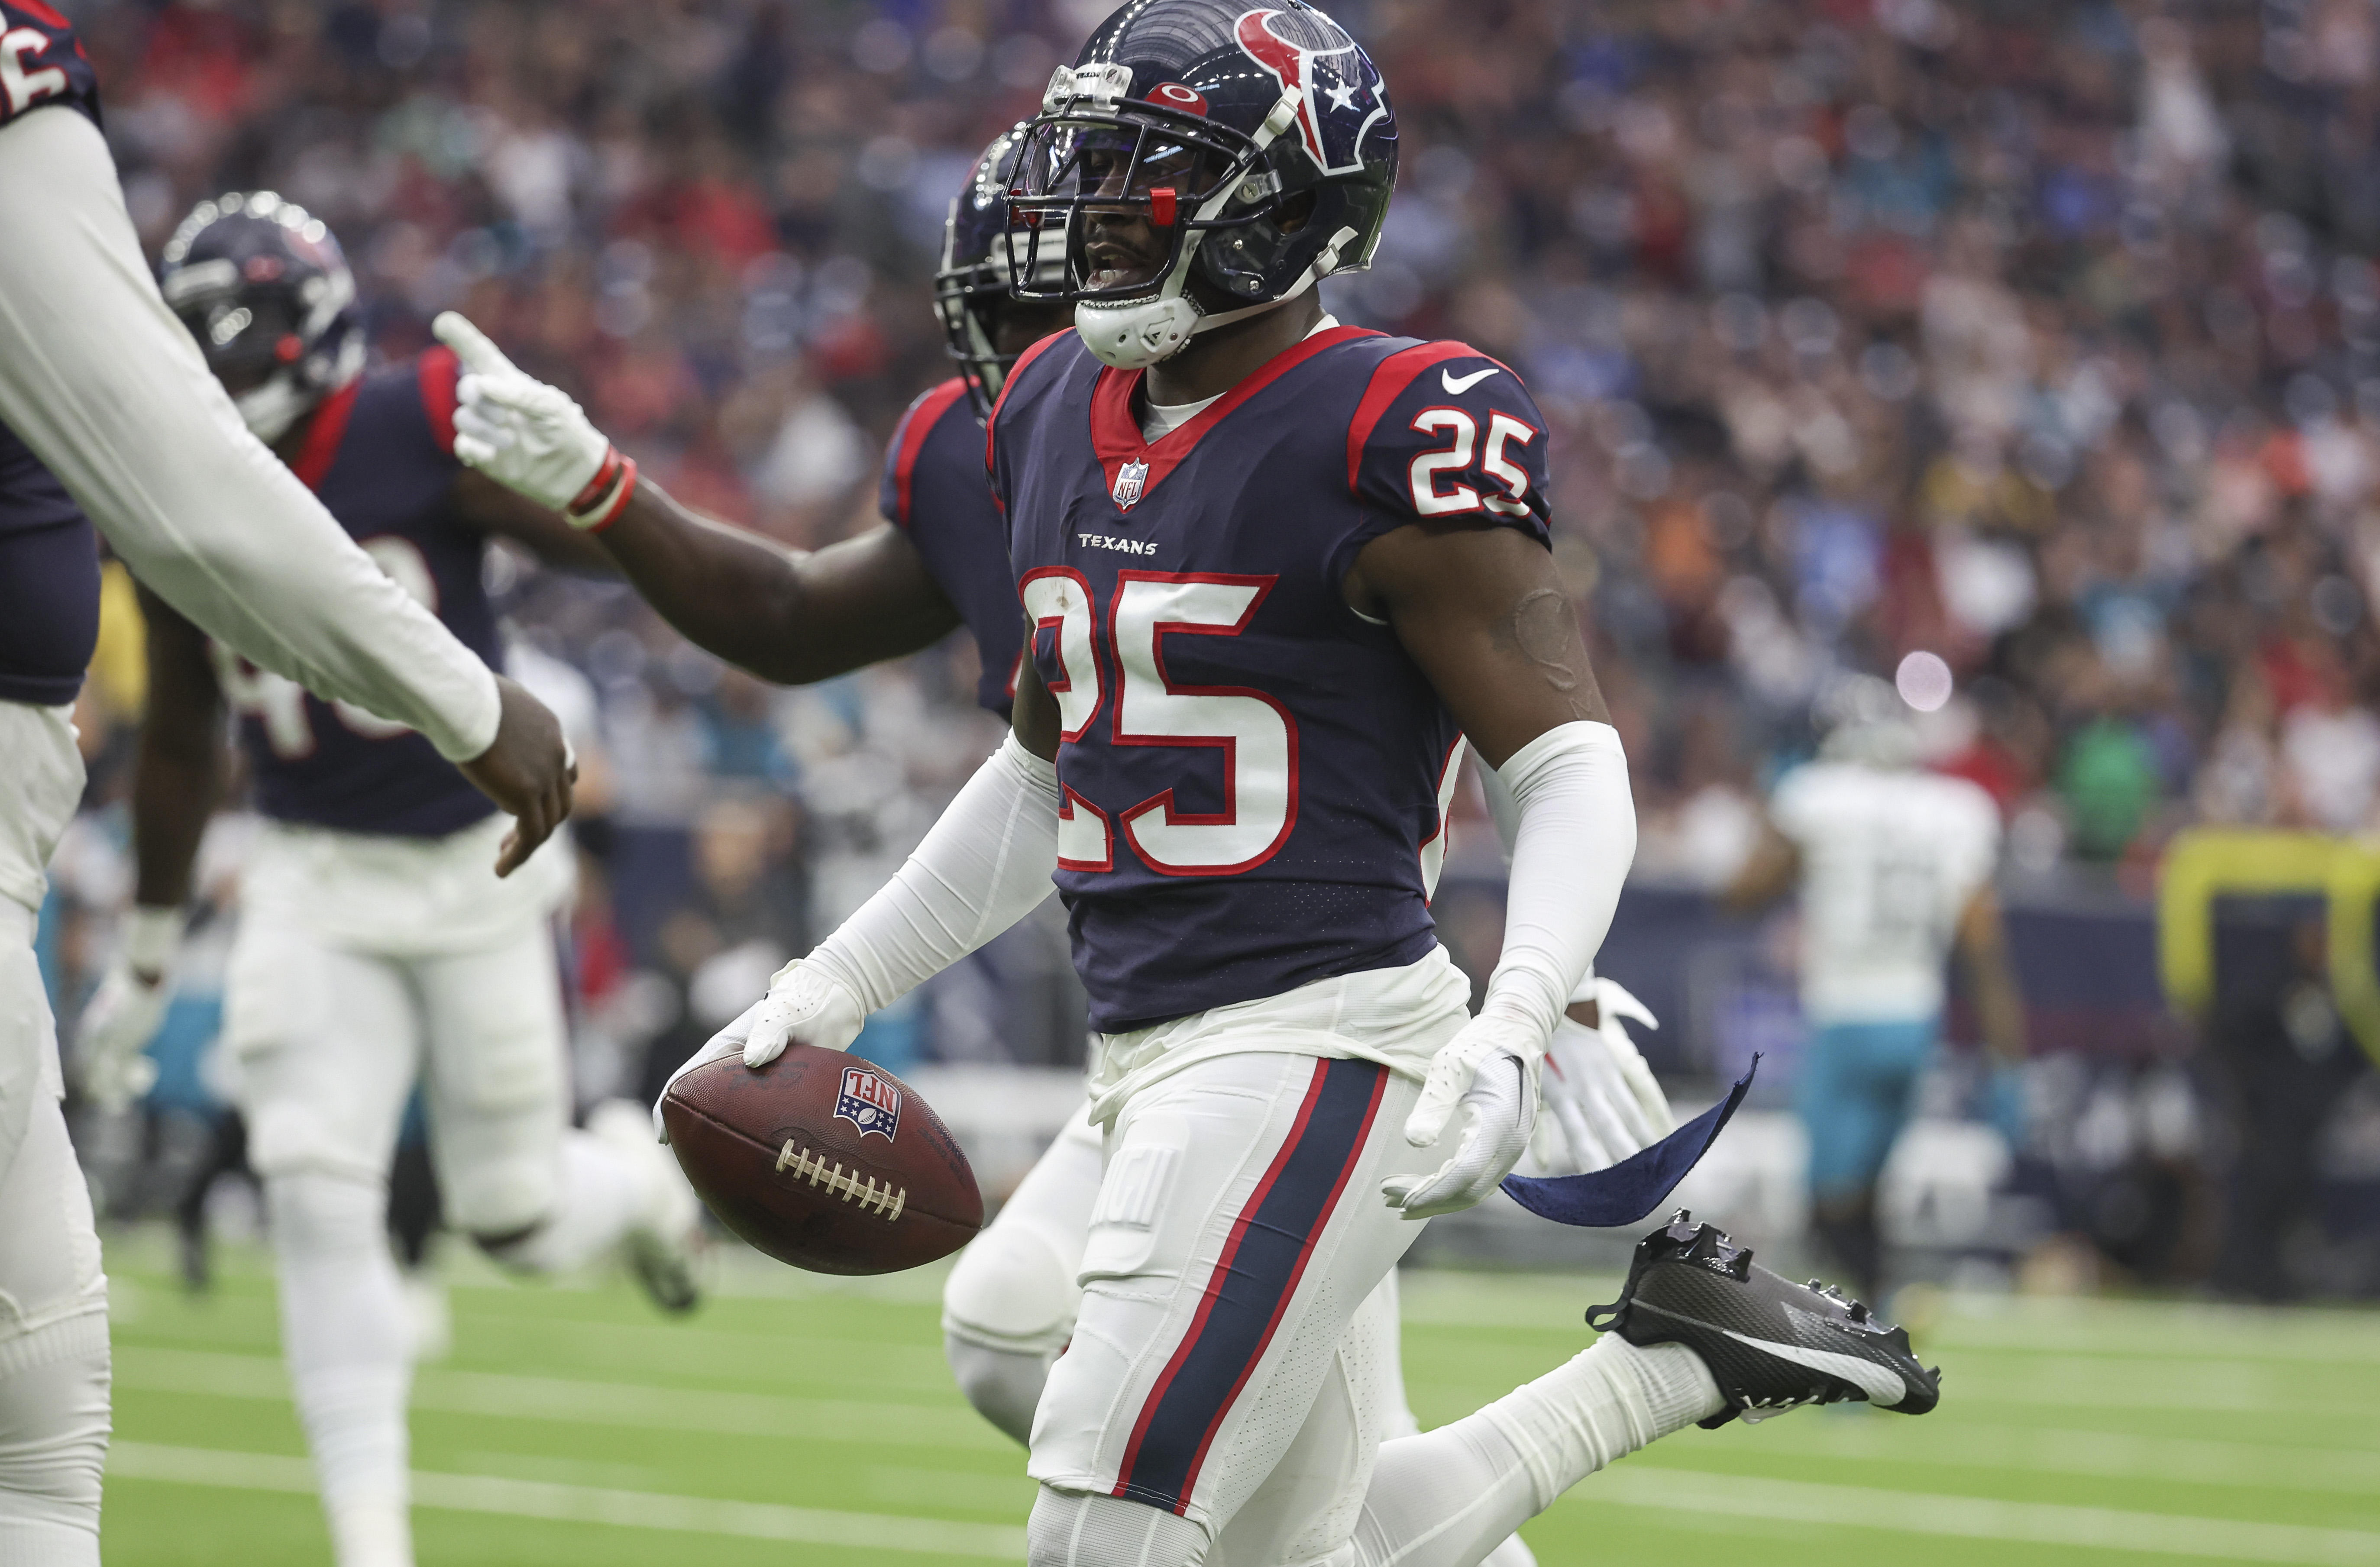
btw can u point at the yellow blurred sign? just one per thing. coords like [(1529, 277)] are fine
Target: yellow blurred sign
[(2206, 863)]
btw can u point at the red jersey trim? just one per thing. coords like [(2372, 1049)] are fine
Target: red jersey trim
[(1115, 433), (1395, 373), (1006, 382), (329, 427), (909, 438), (439, 371)]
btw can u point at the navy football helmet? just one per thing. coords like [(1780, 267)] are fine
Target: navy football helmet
[(266, 291), (971, 287), (1255, 137)]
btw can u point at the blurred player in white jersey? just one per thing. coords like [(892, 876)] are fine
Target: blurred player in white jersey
[(108, 419), (374, 947), (1895, 868)]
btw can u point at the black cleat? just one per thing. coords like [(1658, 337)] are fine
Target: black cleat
[(1771, 1345)]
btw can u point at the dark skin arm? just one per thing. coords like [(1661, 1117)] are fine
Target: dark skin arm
[(178, 773), (791, 616), (1773, 870), (1482, 611), (507, 513), (1991, 977)]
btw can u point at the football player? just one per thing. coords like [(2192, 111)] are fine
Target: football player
[(1895, 868), (374, 947), (1009, 1304), (109, 418), (1272, 569)]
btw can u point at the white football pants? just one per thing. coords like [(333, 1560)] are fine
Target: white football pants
[(1009, 1309), (54, 1364), (361, 965)]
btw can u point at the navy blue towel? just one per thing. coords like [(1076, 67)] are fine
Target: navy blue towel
[(1633, 1187)]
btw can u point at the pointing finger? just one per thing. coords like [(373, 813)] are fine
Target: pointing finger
[(470, 345)]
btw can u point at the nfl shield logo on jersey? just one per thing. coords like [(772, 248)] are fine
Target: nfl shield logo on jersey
[(1129, 479), (868, 1102)]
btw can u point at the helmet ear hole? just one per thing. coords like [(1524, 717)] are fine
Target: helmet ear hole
[(1296, 210)]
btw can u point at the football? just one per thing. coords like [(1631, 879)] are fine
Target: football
[(823, 1161)]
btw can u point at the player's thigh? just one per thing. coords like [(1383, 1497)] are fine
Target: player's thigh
[(1308, 1505), (1014, 1287), (325, 1044), (497, 1080), (49, 1251), (1238, 1230)]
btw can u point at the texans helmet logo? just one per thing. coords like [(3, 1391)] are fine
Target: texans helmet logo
[(1339, 92), (868, 1102)]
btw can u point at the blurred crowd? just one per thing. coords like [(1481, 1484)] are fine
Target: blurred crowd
[(2036, 339)]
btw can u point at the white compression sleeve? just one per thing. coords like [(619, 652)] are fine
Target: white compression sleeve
[(104, 385), (1577, 837), (1505, 812), (982, 868)]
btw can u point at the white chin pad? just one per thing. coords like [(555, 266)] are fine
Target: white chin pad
[(1137, 335)]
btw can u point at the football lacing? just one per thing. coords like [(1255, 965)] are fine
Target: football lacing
[(848, 1184)]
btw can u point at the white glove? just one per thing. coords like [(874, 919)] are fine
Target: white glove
[(529, 436), (805, 1005), (1486, 1071), (123, 1014), (1602, 1103)]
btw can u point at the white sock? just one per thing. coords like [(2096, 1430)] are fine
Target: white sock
[(601, 1194), (345, 1334), (1447, 1498)]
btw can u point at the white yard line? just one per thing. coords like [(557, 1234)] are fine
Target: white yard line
[(2032, 1523), (501, 1394), (2112, 1455), (586, 1504)]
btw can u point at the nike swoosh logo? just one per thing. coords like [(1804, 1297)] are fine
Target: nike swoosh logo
[(1883, 1389), (1456, 385)]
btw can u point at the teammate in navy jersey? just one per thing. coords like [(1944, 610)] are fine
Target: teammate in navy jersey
[(374, 945), (1273, 570), (108, 418)]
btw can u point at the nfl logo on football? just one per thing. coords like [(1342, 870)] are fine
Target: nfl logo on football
[(868, 1102), (1129, 479)]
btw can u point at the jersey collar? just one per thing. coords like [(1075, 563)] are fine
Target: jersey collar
[(1115, 433)]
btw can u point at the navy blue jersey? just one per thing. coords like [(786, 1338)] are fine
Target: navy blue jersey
[(41, 62), (1252, 772), (935, 491), (49, 582), (380, 454), (49, 558)]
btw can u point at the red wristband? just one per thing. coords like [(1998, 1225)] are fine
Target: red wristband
[(607, 473), (600, 504)]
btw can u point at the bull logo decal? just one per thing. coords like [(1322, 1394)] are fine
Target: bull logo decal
[(1338, 93)]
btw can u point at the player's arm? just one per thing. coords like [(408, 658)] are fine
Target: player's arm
[(1447, 464), (1771, 871), (1982, 949), (108, 390), (981, 868), (788, 615), (176, 778)]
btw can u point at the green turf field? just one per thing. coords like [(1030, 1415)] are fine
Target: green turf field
[(799, 1420)]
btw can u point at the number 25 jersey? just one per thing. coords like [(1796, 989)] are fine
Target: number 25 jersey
[(1255, 777)]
